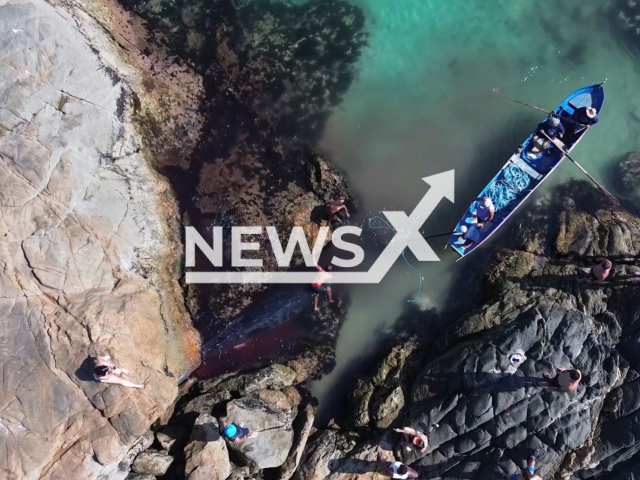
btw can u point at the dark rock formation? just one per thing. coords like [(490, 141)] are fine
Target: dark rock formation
[(483, 413)]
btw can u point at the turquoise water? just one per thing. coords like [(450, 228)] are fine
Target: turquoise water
[(422, 104)]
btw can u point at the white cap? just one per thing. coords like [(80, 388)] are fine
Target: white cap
[(463, 229), (487, 202), (591, 112)]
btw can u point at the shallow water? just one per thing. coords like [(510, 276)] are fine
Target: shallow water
[(422, 104)]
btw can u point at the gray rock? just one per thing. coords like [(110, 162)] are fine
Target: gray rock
[(269, 413), (139, 476), (206, 456), (140, 445), (321, 454), (387, 407), (358, 400), (205, 402), (482, 407), (152, 462), (275, 377), (304, 421), (173, 437)]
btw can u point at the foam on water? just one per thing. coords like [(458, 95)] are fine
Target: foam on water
[(422, 105)]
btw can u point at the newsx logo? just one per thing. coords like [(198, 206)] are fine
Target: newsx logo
[(407, 235)]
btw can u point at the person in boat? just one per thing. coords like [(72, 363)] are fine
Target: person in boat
[(106, 372), (584, 118), (321, 285), (235, 433), (333, 208), (467, 236), (553, 128), (528, 473), (413, 440), (484, 211), (600, 271), (565, 380)]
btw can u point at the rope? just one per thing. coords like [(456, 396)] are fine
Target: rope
[(387, 226), (511, 182)]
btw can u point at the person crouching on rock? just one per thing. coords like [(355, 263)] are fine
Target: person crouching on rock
[(235, 433), (412, 440), (565, 380), (106, 372), (321, 286), (600, 271), (333, 208), (528, 473)]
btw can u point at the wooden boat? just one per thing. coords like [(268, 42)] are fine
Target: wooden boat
[(521, 175)]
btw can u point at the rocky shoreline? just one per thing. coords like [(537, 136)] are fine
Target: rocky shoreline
[(482, 413), (96, 99)]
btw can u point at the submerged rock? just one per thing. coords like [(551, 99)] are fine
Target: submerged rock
[(629, 171)]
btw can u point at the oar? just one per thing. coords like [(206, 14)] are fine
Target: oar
[(606, 192), (566, 119)]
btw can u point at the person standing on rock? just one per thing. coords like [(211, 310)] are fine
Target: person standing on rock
[(321, 285), (395, 469), (333, 208), (235, 433), (412, 440), (106, 372), (528, 473), (599, 272), (565, 380)]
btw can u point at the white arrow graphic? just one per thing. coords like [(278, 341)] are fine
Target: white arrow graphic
[(407, 235)]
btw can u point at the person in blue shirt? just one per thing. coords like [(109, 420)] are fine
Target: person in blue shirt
[(553, 127), (586, 116)]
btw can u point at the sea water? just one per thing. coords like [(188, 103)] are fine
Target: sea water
[(422, 104)]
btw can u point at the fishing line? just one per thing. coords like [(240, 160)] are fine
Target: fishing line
[(387, 226)]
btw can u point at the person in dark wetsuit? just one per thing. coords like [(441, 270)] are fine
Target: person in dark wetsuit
[(586, 116), (553, 128), (333, 208)]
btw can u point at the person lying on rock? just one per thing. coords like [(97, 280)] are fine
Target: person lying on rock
[(235, 433), (565, 380), (334, 207), (528, 473), (106, 372), (600, 271), (412, 440)]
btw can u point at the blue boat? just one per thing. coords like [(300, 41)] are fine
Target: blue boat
[(522, 174)]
